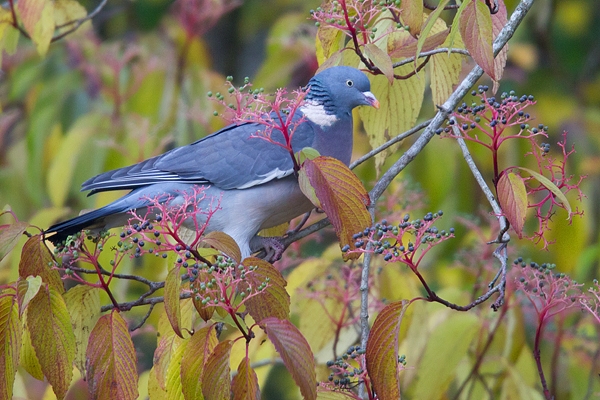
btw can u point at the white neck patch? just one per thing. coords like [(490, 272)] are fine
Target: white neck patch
[(316, 113)]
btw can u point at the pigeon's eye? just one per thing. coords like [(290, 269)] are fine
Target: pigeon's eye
[(349, 83)]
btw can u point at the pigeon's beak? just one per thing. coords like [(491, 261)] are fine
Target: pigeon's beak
[(371, 99)]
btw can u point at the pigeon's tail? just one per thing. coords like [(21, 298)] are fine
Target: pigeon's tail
[(94, 219)]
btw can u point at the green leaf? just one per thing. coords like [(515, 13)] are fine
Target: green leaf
[(307, 153), (9, 236), (381, 59), (548, 184), (295, 353), (200, 346), (83, 303), (476, 31), (447, 345), (273, 301), (512, 196), (245, 383), (332, 186), (382, 351), (172, 301), (52, 338), (10, 344), (36, 260), (216, 379), (112, 362)]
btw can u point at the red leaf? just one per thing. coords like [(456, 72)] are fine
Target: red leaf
[(52, 338), (36, 260), (245, 384), (10, 344), (406, 46), (9, 237), (476, 31), (111, 360), (273, 301), (216, 380), (295, 352), (512, 196), (333, 187), (172, 301), (382, 351), (205, 311), (200, 346)]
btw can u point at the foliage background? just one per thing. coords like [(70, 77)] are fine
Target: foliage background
[(122, 92)]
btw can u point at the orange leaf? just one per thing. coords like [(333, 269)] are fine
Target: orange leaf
[(224, 243), (112, 363), (330, 185), (30, 12), (512, 196), (200, 346), (9, 236), (172, 302), (273, 301), (36, 260), (476, 31), (52, 338), (381, 59), (10, 344), (216, 380), (382, 351), (295, 353), (406, 46), (245, 383)]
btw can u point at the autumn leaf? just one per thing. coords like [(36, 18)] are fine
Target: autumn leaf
[(295, 353), (10, 344), (245, 384), (52, 337), (36, 260), (548, 184), (273, 301), (172, 301), (83, 304), (333, 187), (9, 236), (499, 19), (112, 362), (475, 27), (382, 351), (199, 347), (27, 289), (411, 13), (512, 196), (216, 379), (224, 243), (381, 60)]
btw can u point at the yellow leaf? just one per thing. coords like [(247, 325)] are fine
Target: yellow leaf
[(67, 11), (44, 29), (83, 303), (400, 105), (30, 12)]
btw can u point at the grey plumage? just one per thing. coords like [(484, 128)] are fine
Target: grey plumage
[(253, 178)]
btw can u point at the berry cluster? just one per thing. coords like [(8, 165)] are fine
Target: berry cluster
[(391, 240)]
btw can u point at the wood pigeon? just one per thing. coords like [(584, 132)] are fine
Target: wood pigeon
[(253, 179)]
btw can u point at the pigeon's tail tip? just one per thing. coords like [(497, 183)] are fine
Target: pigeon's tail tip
[(59, 232)]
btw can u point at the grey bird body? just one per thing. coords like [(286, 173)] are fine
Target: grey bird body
[(251, 180)]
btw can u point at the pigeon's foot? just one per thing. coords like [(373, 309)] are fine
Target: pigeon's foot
[(270, 248)]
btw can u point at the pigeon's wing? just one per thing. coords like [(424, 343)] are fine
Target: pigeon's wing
[(232, 158)]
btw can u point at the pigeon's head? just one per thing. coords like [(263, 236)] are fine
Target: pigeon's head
[(336, 91)]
